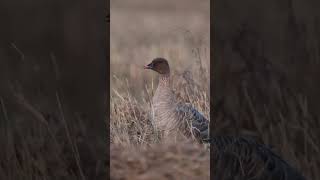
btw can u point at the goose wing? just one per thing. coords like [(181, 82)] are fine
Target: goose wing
[(243, 158), (195, 120)]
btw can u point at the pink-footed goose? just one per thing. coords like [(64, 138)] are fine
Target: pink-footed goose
[(236, 158), (169, 115)]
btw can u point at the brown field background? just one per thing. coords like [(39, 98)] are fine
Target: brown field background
[(140, 31), (143, 30)]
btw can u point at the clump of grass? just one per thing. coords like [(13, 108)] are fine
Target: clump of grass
[(44, 147), (129, 121)]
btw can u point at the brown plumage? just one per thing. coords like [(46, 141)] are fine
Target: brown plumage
[(236, 158), (170, 116)]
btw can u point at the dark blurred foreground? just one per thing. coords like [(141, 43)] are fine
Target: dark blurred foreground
[(266, 69), (53, 90)]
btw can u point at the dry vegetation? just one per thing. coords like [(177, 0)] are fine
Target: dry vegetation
[(259, 100), (156, 29), (38, 146)]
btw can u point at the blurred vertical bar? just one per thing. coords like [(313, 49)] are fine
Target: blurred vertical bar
[(211, 82), (265, 65), (54, 89), (107, 109)]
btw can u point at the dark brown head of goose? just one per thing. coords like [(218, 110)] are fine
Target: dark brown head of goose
[(159, 65)]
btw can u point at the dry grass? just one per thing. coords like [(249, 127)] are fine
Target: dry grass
[(259, 106), (185, 160), (134, 139), (285, 123), (260, 99), (156, 29), (135, 152), (152, 32), (41, 147)]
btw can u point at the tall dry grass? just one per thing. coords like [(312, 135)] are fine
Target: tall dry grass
[(39, 146), (261, 100), (156, 29), (256, 100), (130, 121), (132, 135)]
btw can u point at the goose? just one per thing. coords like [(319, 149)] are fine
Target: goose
[(235, 158), (171, 116)]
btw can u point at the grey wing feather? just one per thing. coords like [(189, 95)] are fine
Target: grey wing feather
[(199, 124)]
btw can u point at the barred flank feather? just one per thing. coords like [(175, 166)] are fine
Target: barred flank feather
[(240, 158), (172, 117)]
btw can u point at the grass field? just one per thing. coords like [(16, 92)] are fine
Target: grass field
[(141, 31), (262, 105)]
